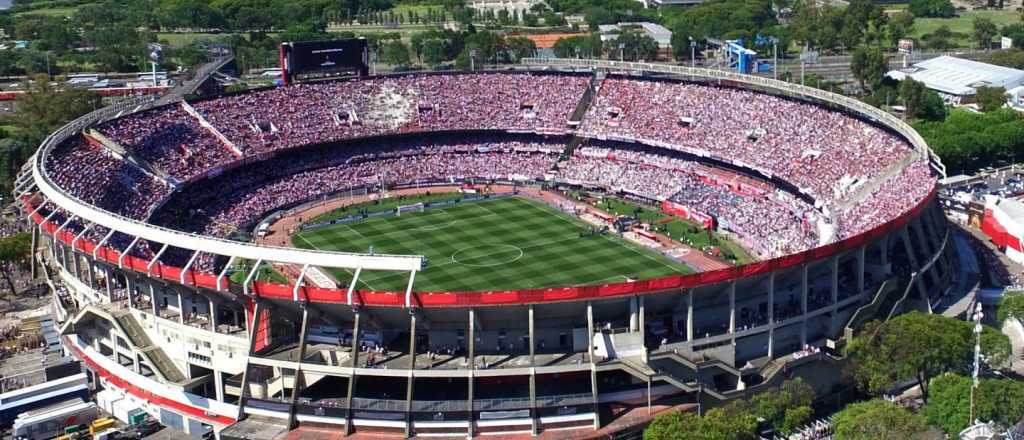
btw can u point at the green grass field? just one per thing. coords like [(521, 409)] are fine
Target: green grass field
[(499, 244), (963, 24)]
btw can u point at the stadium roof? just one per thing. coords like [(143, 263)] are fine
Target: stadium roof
[(957, 76)]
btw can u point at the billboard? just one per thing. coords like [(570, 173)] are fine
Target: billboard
[(320, 59), (906, 45)]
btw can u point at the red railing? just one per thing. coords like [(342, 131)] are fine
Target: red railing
[(496, 298)]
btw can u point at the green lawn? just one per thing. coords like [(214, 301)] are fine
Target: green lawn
[(498, 244), (56, 11), (963, 24), (384, 205), (682, 231)]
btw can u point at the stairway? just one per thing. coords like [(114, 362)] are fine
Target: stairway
[(154, 354)]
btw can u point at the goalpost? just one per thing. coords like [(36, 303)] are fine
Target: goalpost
[(416, 207)]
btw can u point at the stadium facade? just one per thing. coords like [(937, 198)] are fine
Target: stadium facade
[(251, 359)]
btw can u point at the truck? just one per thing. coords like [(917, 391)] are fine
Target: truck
[(53, 420)]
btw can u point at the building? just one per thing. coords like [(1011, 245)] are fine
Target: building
[(517, 7), (660, 34), (958, 79), (1003, 223), (252, 359)]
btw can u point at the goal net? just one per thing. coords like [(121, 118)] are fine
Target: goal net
[(418, 207)]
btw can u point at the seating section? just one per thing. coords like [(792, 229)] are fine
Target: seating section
[(171, 139), (305, 114), (95, 176), (823, 151), (659, 134)]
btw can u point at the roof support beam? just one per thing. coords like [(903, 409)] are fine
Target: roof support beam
[(220, 276), (188, 266), (120, 259), (96, 250), (149, 267)]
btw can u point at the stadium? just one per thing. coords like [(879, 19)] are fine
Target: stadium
[(471, 253)]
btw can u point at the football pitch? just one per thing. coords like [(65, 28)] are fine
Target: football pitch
[(496, 244)]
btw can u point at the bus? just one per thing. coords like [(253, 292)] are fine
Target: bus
[(51, 421)]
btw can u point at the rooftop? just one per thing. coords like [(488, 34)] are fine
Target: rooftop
[(957, 76)]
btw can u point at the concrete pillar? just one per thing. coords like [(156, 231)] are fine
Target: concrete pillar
[(181, 308), (297, 384), (803, 305), (860, 269), (633, 318), (593, 364), (251, 327), (110, 288), (534, 417), (471, 377), (771, 314), (689, 315), (643, 329), (732, 308), (834, 290), (214, 315), (218, 384), (353, 364), (412, 367)]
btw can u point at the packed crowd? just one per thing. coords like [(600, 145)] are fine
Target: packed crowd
[(307, 114), (98, 178), (772, 224), (823, 151), (898, 194), (171, 139)]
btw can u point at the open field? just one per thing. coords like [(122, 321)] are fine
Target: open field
[(498, 244), (962, 24)]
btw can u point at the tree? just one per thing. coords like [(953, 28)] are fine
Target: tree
[(940, 39), (44, 109), (635, 46), (1016, 33), (791, 401), (732, 421), (868, 66), (1011, 306), (990, 98), (1012, 58), (917, 346), (521, 47), (965, 140), (433, 52), (583, 47), (920, 102), (996, 400), (984, 31), (932, 8), (877, 420), (396, 53), (15, 250), (901, 24)]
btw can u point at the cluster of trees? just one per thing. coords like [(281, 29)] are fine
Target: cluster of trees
[(919, 347), (787, 409), (38, 113), (1011, 306), (967, 141)]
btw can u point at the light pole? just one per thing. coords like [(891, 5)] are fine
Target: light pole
[(775, 58), (472, 56), (622, 47), (977, 357), (693, 52)]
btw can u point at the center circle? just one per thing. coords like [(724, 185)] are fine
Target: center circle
[(487, 255)]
